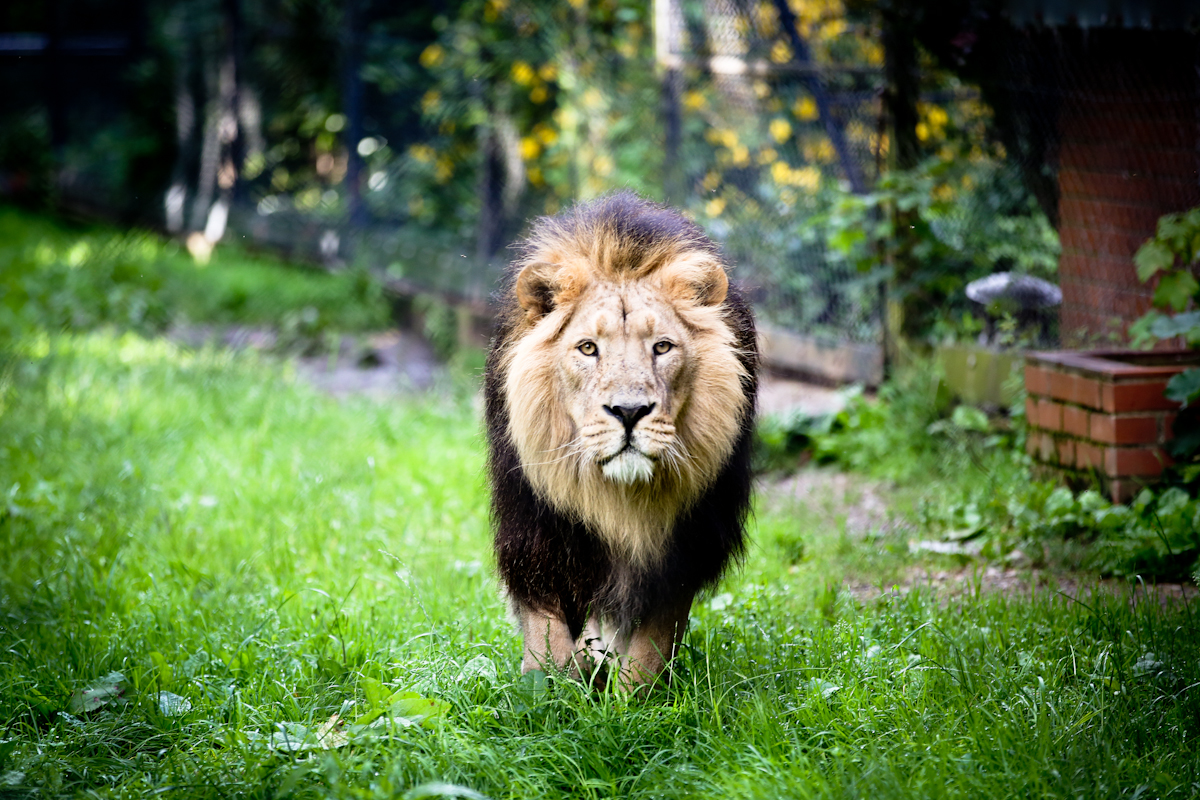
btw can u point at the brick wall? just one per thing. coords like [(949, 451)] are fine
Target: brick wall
[(1128, 136), (1102, 416)]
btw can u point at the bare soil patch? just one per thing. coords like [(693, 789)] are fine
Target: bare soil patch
[(377, 365)]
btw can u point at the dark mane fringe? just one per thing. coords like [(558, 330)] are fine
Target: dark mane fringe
[(550, 561)]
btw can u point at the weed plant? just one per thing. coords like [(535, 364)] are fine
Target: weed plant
[(217, 583)]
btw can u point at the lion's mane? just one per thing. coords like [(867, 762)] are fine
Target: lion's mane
[(563, 546)]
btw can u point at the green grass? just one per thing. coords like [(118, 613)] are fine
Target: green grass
[(56, 276), (205, 527)]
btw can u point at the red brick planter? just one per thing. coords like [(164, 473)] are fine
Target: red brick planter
[(1102, 415)]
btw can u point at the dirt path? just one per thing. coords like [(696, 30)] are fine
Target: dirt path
[(377, 365)]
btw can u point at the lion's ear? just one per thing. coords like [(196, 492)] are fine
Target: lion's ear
[(543, 287), (699, 279), (535, 289)]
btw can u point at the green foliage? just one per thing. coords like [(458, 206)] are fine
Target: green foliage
[(1171, 257), (971, 481), (220, 583), (964, 219), (562, 95), (56, 277)]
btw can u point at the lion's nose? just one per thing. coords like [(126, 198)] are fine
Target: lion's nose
[(629, 415)]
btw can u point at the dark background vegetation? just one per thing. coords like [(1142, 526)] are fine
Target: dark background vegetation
[(416, 140)]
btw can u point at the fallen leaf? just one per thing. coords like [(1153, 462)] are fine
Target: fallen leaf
[(172, 705), (103, 692), (442, 790)]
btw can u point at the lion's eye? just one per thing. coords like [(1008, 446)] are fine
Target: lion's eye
[(588, 348), (662, 347)]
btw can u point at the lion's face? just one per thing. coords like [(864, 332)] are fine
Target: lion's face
[(624, 389), (625, 368)]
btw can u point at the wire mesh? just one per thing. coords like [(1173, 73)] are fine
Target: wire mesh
[(768, 118), (764, 120)]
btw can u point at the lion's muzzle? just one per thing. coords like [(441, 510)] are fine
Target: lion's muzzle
[(629, 415)]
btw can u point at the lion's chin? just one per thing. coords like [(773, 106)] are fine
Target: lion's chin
[(629, 466)]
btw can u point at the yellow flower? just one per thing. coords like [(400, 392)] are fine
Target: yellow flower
[(807, 178), (767, 155), (781, 52), (522, 73), (805, 109), (781, 129), (530, 148), (432, 56), (943, 193), (548, 72), (741, 155), (592, 97), (535, 176), (443, 170), (603, 165), (781, 173), (422, 152), (538, 95), (545, 134), (711, 181), (493, 9), (694, 101), (872, 52), (721, 136), (824, 152), (938, 116), (922, 131), (715, 206), (430, 101)]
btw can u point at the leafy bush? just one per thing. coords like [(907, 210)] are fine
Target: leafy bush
[(1170, 258), (965, 220)]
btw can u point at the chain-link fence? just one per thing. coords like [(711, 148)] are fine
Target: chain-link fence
[(418, 142), (766, 112)]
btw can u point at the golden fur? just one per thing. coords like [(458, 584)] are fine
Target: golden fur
[(575, 289)]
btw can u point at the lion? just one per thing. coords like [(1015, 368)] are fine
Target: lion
[(620, 394)]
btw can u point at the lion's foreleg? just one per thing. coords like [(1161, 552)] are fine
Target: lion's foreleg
[(548, 640), (653, 644)]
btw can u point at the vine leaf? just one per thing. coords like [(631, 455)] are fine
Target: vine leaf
[(1151, 258), (1175, 290), (1184, 387)]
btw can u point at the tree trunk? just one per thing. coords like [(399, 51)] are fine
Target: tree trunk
[(816, 87), (905, 311), (352, 106)]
